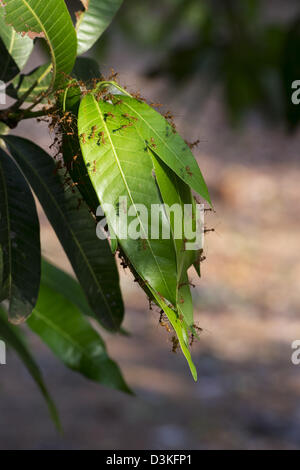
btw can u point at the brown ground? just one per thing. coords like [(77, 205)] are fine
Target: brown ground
[(247, 302)]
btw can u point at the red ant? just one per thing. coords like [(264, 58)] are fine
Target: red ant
[(125, 126), (153, 143), (188, 170), (191, 145), (175, 344), (82, 137), (93, 132), (101, 138), (127, 116)]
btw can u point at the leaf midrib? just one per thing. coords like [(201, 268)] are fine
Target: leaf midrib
[(48, 41), (158, 135), (127, 188)]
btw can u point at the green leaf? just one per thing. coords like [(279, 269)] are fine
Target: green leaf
[(120, 167), (90, 257), (175, 192), (167, 144), (72, 339), (40, 76), (19, 240), (93, 21), (15, 50), (66, 285), (184, 301), (10, 68), (84, 69), (52, 22), (181, 330), (11, 335), (120, 164)]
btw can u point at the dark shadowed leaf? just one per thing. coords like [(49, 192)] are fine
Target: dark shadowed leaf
[(84, 69), (41, 77), (90, 257), (9, 68), (14, 50), (19, 240)]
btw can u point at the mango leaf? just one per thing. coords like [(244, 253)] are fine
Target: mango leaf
[(159, 135), (52, 22), (10, 68), (41, 77), (84, 69), (93, 21), (19, 240), (181, 330), (14, 50), (90, 257), (66, 285), (12, 336), (72, 339), (120, 167), (175, 193)]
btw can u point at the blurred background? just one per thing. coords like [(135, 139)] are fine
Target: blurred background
[(225, 71)]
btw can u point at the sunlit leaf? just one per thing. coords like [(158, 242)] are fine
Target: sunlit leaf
[(93, 21), (160, 136), (119, 166), (50, 21)]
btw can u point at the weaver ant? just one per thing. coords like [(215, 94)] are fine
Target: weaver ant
[(175, 344)]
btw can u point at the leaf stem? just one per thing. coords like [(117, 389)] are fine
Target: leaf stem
[(11, 118)]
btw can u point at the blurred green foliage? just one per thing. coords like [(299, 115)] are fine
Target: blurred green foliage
[(248, 46)]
